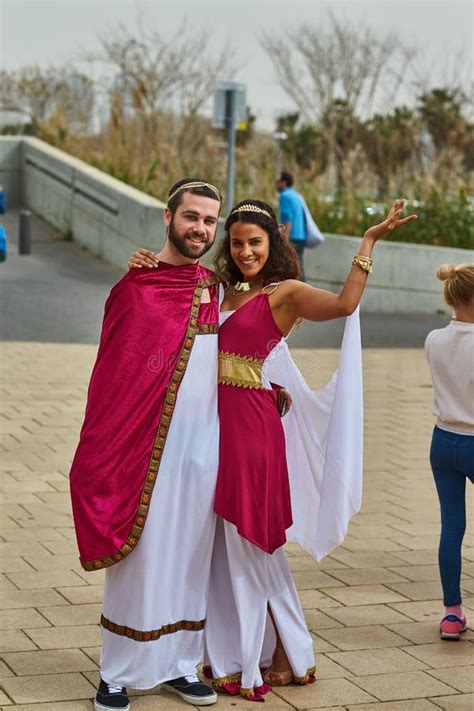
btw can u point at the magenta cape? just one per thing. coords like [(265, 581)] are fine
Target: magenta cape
[(151, 319)]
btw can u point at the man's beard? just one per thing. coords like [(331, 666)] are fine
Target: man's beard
[(186, 248)]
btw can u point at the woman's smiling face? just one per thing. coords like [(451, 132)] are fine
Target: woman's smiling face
[(249, 248)]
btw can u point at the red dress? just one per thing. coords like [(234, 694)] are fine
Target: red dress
[(252, 489)]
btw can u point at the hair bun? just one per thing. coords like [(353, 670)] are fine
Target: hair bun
[(446, 271)]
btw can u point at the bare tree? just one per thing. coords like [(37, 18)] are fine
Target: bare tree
[(34, 95), (322, 70), (158, 74)]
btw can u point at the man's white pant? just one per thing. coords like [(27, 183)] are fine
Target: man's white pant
[(162, 586)]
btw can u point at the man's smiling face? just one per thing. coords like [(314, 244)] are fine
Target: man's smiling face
[(192, 228)]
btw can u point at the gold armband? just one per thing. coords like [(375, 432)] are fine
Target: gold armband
[(365, 263)]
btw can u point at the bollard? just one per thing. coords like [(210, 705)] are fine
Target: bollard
[(3, 200), (24, 237)]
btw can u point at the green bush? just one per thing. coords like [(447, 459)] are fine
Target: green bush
[(444, 220)]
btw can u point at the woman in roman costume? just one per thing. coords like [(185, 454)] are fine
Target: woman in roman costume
[(278, 479)]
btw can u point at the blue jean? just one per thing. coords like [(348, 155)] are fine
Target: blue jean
[(452, 461)]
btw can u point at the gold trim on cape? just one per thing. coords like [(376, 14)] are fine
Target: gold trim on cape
[(206, 329), (152, 635), (241, 371), (161, 435)]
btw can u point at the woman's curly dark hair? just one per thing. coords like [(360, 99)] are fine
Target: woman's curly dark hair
[(282, 262)]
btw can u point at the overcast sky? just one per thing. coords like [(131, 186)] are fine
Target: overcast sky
[(48, 32)]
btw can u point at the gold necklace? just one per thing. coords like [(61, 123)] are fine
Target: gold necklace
[(243, 287)]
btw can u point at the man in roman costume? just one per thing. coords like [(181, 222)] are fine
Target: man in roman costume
[(144, 473)]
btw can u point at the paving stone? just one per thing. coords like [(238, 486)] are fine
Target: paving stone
[(326, 668), (13, 565), (443, 653), (50, 662), (402, 685), (319, 620), (373, 544), (369, 559), (50, 687), (376, 661), (326, 692), (368, 576), (4, 670), (360, 615), (22, 618), (73, 615), (467, 586), (49, 579), (83, 595), (322, 645), (166, 701), (4, 700), (32, 534), (364, 595), (60, 706), (423, 557), (30, 598), (306, 562), (311, 599), (461, 678), (93, 653), (411, 705), (66, 637), (418, 591), (61, 546), (373, 530), (18, 549), (420, 611), (47, 561), (6, 584), (419, 573), (306, 580), (464, 702), (423, 632), (371, 637), (14, 640)]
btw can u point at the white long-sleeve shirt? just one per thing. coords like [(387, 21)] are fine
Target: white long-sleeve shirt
[(450, 354)]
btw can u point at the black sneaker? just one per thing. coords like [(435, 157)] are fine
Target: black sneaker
[(192, 690), (111, 696)]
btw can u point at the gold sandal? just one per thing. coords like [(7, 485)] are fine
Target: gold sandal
[(278, 678)]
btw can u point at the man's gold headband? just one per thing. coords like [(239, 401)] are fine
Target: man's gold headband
[(195, 184), (251, 208)]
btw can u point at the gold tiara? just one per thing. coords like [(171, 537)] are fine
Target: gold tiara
[(195, 184), (251, 208)]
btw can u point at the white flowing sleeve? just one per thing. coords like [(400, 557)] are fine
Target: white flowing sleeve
[(323, 432)]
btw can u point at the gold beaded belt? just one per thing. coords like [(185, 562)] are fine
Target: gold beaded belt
[(241, 371)]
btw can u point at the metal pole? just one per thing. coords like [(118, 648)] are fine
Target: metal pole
[(24, 236), (231, 111)]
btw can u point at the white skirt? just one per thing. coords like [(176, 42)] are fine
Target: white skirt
[(162, 586), (245, 583)]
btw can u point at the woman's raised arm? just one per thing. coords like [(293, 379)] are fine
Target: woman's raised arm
[(321, 305)]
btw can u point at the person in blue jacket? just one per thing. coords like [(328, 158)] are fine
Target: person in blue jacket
[(292, 215)]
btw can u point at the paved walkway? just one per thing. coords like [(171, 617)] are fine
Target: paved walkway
[(373, 605)]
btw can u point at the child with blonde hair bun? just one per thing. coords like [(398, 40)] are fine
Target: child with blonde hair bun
[(450, 354)]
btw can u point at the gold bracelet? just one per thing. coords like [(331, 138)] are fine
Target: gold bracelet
[(365, 263)]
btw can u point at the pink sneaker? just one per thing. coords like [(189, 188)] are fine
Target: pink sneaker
[(451, 627)]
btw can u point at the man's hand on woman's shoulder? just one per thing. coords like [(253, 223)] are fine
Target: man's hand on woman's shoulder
[(143, 258)]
